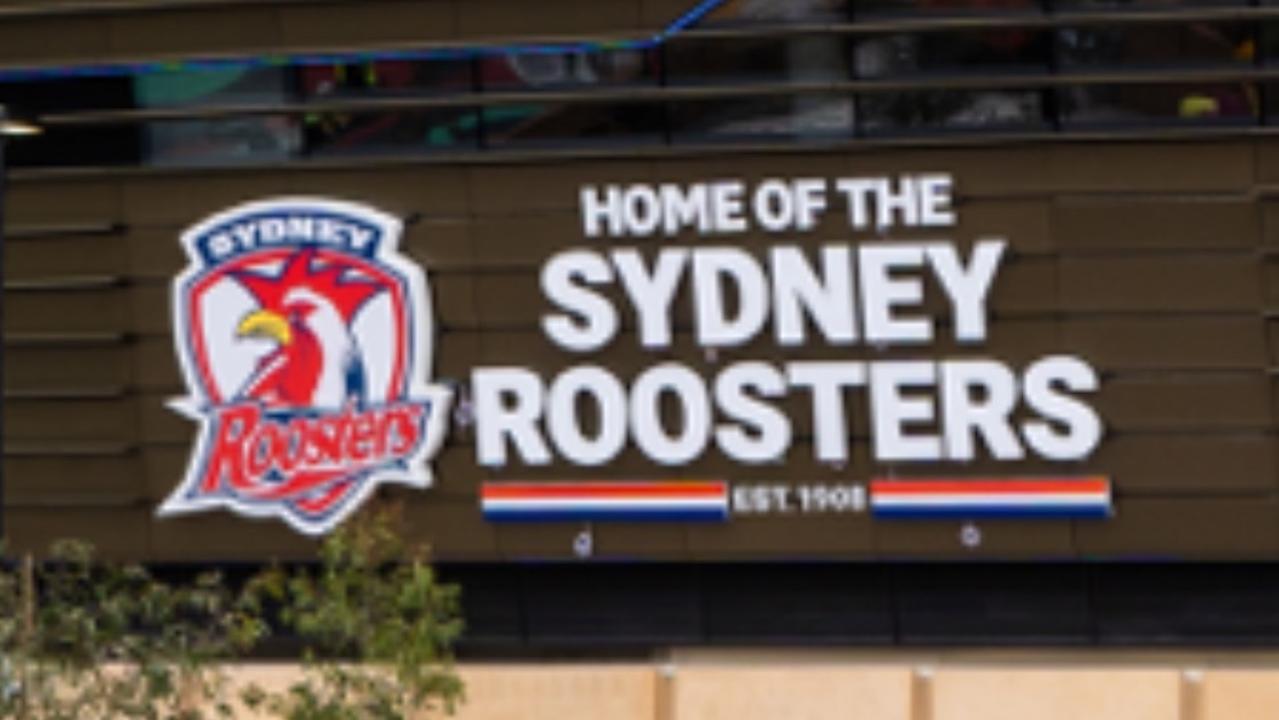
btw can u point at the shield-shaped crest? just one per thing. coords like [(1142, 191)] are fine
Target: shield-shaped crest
[(304, 337)]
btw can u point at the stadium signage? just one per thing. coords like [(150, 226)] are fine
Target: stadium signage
[(305, 337), (871, 294)]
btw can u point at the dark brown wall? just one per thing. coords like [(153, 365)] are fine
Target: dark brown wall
[(1156, 262)]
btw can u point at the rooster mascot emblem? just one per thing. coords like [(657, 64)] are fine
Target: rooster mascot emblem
[(304, 338)]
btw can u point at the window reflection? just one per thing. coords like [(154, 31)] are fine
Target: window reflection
[(573, 124), (384, 78), (950, 110), (808, 58), (408, 131), (222, 141), (206, 88), (796, 117), (1165, 103), (536, 71), (218, 141), (987, 51), (1193, 43)]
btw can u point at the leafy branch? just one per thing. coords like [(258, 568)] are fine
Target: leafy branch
[(83, 639), (378, 629)]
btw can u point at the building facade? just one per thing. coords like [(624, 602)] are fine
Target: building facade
[(671, 326)]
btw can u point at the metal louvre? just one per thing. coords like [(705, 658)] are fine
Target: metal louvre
[(666, 93)]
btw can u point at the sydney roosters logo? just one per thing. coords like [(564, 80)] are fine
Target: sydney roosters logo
[(304, 338)]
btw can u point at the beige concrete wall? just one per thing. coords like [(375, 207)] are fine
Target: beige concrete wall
[(572, 692), (801, 685), (825, 692), (1001, 693), (1240, 694)]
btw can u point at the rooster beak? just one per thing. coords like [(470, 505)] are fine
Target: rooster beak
[(266, 324)]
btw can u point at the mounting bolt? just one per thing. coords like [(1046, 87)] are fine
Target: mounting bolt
[(584, 544), (464, 412)]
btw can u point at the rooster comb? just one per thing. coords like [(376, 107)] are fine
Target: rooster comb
[(300, 271)]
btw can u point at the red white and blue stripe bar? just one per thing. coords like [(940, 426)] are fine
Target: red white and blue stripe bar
[(991, 498), (665, 501)]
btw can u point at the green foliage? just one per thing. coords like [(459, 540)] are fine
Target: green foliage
[(109, 641), (378, 628), (82, 639)]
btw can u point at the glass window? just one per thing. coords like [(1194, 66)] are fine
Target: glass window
[(384, 78), (29, 99), (221, 141), (77, 146), (217, 141), (785, 116), (883, 113), (988, 51), (1268, 37), (407, 132), (1272, 103), (573, 124), (1192, 43), (817, 58), (203, 88), (745, 12), (1160, 104), (535, 71), (67, 145)]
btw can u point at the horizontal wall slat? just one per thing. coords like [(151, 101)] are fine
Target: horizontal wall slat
[(671, 94)]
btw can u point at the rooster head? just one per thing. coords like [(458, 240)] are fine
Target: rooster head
[(306, 311)]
